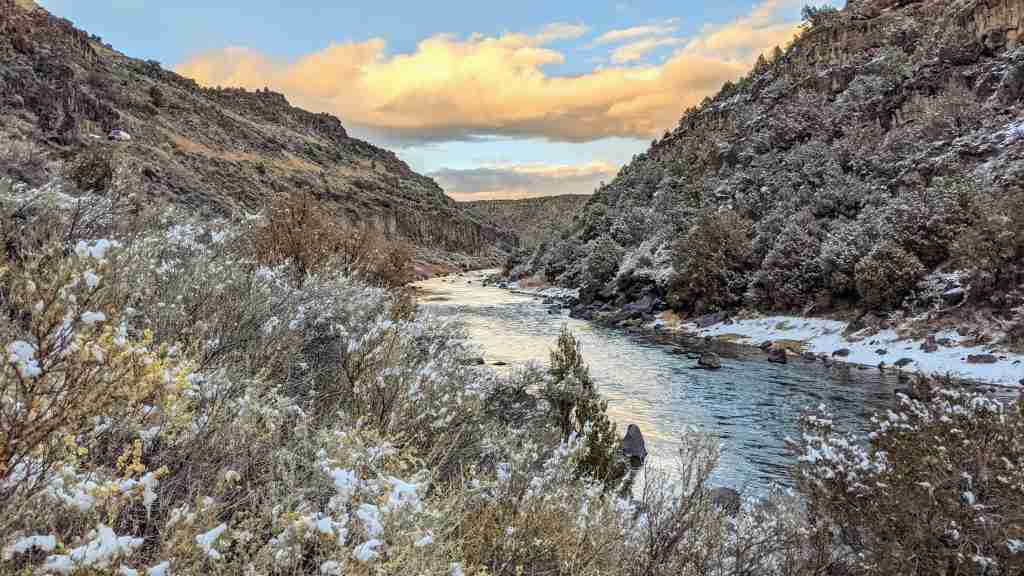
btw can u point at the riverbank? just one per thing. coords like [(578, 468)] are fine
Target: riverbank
[(966, 355)]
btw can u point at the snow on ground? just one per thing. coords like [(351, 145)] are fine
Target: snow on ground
[(826, 336)]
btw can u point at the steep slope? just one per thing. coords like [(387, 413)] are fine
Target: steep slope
[(874, 163), (62, 92), (534, 220)]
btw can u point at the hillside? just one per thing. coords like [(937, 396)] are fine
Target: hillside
[(63, 91), (534, 220), (873, 165)]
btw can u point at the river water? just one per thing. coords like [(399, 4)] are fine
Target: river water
[(750, 405)]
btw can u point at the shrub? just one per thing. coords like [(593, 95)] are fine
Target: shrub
[(887, 274), (157, 97), (580, 412), (93, 171), (710, 262), (992, 250), (603, 260), (934, 487), (791, 275), (928, 221), (300, 231)]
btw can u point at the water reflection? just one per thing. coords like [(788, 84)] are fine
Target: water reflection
[(750, 405)]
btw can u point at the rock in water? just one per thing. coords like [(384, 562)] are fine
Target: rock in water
[(709, 361), (777, 355), (726, 499), (953, 296), (981, 359), (841, 353), (633, 446), (929, 345)]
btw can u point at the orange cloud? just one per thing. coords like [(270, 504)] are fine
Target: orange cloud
[(507, 182), (451, 88)]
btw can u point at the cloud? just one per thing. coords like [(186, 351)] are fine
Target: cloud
[(502, 182), (452, 88), (661, 29), (637, 50)]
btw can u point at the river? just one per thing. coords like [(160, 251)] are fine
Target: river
[(750, 405)]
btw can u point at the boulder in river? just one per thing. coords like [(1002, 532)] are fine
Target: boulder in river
[(709, 361), (903, 362), (881, 351), (981, 359), (633, 446), (929, 345), (841, 353), (727, 500), (766, 345), (777, 355), (953, 296), (478, 361)]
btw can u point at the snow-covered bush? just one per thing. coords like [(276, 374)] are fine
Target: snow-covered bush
[(992, 250), (603, 260), (935, 487), (887, 274), (790, 276), (710, 262)]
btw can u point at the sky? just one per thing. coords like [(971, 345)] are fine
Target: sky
[(506, 100)]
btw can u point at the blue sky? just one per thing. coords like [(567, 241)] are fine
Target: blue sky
[(556, 95)]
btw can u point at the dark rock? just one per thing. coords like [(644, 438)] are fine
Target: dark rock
[(633, 446), (777, 355), (841, 353), (478, 361), (727, 500), (903, 362), (710, 319), (881, 352), (500, 363), (929, 345), (809, 357), (766, 345), (709, 361), (981, 359), (953, 296)]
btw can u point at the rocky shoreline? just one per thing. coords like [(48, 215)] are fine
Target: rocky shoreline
[(786, 339)]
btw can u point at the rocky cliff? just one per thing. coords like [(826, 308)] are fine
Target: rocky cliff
[(534, 220), (875, 163), (62, 92)]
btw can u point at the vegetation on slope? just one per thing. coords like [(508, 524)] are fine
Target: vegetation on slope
[(872, 164), (62, 92)]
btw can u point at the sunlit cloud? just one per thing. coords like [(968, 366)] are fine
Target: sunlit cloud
[(637, 50), (452, 88), (660, 29), (503, 182)]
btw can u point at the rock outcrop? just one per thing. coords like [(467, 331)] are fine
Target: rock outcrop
[(63, 91)]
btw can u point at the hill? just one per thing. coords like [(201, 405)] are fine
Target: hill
[(534, 220), (62, 92), (873, 165)]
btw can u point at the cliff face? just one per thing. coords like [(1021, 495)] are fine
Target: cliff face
[(62, 92), (887, 131), (534, 220)]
